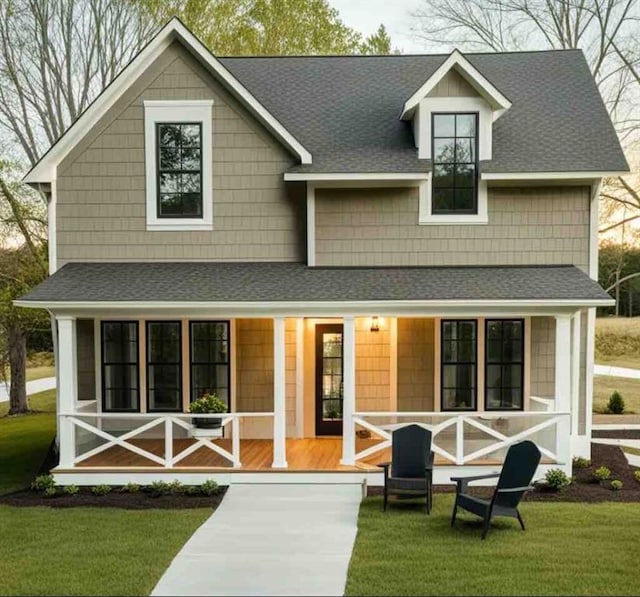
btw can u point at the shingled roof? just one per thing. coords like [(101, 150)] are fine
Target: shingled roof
[(270, 282), (345, 109)]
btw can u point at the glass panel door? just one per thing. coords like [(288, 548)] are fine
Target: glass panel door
[(329, 383)]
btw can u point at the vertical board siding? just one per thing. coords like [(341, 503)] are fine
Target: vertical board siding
[(85, 348), (101, 184), (254, 363), (415, 364), (453, 84), (543, 351), (357, 227), (290, 374)]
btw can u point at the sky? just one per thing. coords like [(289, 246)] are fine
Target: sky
[(367, 15)]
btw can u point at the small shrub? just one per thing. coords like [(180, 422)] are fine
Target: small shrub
[(557, 479), (615, 406), (209, 487), (50, 492), (130, 488), (71, 490), (101, 489), (636, 475), (579, 462), (43, 482), (602, 473), (192, 490), (616, 485), (158, 489), (176, 488)]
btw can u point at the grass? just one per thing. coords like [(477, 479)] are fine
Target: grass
[(618, 341), (40, 372), (89, 551), (604, 386), (404, 552), (78, 551), (24, 441)]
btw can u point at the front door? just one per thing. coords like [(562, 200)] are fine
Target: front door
[(329, 379)]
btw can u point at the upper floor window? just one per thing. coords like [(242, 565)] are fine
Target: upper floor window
[(179, 169), (178, 164), (455, 163)]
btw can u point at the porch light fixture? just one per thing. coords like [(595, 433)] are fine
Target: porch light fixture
[(375, 326)]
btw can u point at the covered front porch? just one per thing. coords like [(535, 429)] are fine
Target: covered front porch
[(282, 394)]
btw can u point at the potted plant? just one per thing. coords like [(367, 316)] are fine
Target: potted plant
[(207, 403)]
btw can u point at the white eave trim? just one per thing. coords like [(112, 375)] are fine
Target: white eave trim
[(45, 169), (475, 78), (354, 176), (361, 307), (589, 175)]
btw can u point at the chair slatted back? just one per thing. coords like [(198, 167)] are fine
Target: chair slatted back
[(518, 469), (410, 449)]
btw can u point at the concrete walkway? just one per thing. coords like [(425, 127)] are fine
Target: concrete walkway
[(270, 540), (608, 370), (33, 387)]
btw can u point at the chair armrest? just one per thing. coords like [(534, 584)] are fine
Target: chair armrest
[(463, 482), (515, 489), (429, 466), (383, 464)]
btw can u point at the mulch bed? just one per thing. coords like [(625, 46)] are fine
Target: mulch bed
[(617, 434), (115, 499), (583, 489)]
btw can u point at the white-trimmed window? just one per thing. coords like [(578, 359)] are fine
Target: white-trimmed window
[(178, 160)]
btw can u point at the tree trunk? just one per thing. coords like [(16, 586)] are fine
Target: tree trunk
[(17, 366)]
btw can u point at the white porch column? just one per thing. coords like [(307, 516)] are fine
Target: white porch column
[(563, 386), (575, 374), (279, 400), (348, 391), (67, 387)]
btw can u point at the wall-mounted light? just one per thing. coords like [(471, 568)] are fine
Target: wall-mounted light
[(375, 325)]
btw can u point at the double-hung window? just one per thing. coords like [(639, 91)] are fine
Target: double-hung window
[(459, 361), (209, 351), (455, 163), (178, 164), (504, 364), (164, 366), (120, 375)]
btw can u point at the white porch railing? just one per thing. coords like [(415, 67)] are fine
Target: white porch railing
[(141, 423), (462, 438)]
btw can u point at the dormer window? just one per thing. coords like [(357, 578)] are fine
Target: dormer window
[(455, 163), (178, 164)]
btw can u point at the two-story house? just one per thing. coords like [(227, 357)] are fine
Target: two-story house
[(335, 246)]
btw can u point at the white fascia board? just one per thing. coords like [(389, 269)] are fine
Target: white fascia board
[(338, 308), (476, 79), (354, 176), (45, 169), (548, 175)]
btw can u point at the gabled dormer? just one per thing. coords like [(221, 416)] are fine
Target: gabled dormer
[(452, 115)]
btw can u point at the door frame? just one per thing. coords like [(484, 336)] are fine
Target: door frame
[(323, 428)]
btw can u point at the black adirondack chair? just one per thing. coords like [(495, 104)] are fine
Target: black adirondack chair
[(410, 472), (514, 481)]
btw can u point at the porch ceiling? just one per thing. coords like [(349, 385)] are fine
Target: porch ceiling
[(270, 284)]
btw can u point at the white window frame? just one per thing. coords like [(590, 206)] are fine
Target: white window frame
[(158, 111), (453, 105)]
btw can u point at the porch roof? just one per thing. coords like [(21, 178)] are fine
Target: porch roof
[(193, 283)]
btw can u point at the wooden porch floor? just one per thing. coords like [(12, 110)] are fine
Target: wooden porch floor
[(256, 455)]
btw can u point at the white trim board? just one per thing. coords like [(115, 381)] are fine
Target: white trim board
[(354, 176), (45, 169), (562, 175), (192, 111), (498, 101)]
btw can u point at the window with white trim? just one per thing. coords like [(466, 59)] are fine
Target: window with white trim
[(178, 164)]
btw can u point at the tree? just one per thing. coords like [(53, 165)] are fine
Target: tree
[(605, 30), (55, 57), (268, 27)]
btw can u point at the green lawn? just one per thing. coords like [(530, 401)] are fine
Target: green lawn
[(604, 386), (40, 372), (77, 551), (89, 551), (568, 549)]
